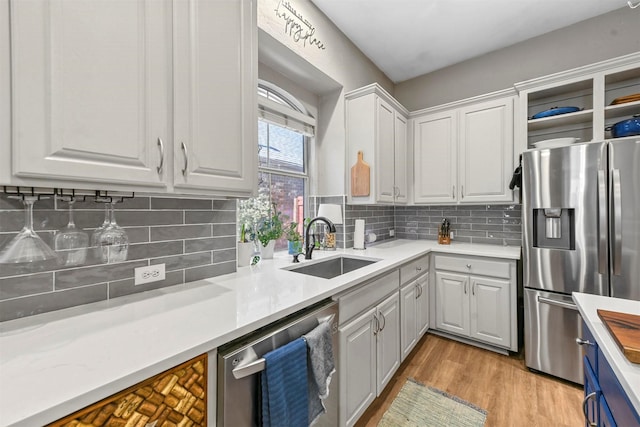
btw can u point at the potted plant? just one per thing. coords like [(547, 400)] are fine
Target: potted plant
[(294, 239), (252, 213), (269, 231)]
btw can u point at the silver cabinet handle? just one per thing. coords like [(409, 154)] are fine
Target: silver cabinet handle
[(469, 266), (617, 223), (465, 287), (186, 158), (473, 289), (557, 303), (377, 328), (384, 321), (602, 223), (580, 341), (584, 408), (161, 147), (418, 268), (453, 192), (249, 369), (418, 289), (462, 191)]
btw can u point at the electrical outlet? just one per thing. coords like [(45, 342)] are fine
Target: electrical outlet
[(152, 273), (392, 232)]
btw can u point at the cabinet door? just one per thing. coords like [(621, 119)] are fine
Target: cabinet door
[(435, 166), (385, 139), (422, 305), (91, 89), (388, 359), (400, 156), (215, 95), (452, 302), (408, 318), (357, 367), (490, 311), (486, 151)]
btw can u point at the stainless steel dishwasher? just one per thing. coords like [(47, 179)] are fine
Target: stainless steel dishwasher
[(240, 363)]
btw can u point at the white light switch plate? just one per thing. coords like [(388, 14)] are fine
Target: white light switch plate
[(152, 273)]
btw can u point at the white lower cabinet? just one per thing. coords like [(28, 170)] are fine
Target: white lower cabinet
[(414, 313), (476, 299), (369, 347)]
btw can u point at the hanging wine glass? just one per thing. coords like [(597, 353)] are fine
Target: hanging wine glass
[(71, 242), (114, 240), (27, 246), (101, 252)]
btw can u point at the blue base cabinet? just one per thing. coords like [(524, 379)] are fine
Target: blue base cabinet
[(605, 402)]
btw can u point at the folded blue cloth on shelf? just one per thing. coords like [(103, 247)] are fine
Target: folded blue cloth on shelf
[(284, 386), (321, 367)]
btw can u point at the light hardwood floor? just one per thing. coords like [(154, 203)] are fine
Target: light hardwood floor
[(502, 385)]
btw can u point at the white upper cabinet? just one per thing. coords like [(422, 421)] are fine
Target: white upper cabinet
[(435, 158), (376, 124), (215, 96), (486, 151), (90, 89), (463, 152), (136, 95)]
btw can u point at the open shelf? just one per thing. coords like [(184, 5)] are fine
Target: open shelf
[(584, 116)]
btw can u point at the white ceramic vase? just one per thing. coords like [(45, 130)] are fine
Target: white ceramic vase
[(267, 251), (245, 252)]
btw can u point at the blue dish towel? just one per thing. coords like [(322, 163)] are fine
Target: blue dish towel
[(284, 386)]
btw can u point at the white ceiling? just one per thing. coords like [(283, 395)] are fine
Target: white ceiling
[(408, 38)]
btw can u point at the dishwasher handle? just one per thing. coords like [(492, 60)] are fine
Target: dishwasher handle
[(258, 365)]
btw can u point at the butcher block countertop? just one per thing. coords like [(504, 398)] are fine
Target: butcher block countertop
[(628, 373), (56, 363)]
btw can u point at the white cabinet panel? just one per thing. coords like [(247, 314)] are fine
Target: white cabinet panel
[(452, 302), (400, 169), (388, 359), (490, 313), (358, 364), (422, 305), (385, 135), (486, 151), (215, 96), (91, 89), (408, 323), (435, 154)]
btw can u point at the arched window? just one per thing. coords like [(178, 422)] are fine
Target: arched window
[(284, 133)]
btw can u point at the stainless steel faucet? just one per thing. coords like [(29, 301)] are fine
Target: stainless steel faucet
[(308, 249)]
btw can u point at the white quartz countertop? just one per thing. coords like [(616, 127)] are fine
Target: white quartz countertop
[(56, 363), (627, 373)]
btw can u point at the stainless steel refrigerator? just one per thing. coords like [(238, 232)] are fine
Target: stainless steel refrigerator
[(581, 225)]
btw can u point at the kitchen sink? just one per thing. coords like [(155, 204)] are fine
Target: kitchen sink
[(332, 267)]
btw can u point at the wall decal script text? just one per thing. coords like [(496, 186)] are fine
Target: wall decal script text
[(298, 28)]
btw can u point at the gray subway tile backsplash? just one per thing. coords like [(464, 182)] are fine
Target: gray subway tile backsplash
[(196, 239), (157, 231)]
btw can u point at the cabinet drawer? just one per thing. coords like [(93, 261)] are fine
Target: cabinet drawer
[(478, 266), (176, 397), (414, 268), (368, 295)]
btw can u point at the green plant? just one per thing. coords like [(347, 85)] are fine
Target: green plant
[(271, 228), (291, 232)]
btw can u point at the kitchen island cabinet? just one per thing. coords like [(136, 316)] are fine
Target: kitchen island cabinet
[(612, 395), (414, 303), (162, 101), (463, 151)]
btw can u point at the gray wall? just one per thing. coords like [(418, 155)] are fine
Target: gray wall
[(195, 238), (607, 36)]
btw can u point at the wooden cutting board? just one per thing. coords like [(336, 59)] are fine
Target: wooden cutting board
[(625, 329), (624, 99), (360, 176)]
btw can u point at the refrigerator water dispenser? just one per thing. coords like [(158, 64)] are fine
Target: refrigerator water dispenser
[(554, 228)]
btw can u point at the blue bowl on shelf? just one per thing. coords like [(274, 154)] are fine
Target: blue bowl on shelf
[(554, 112)]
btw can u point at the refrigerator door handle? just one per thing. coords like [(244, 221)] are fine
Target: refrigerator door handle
[(602, 222), (557, 303), (617, 222)]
